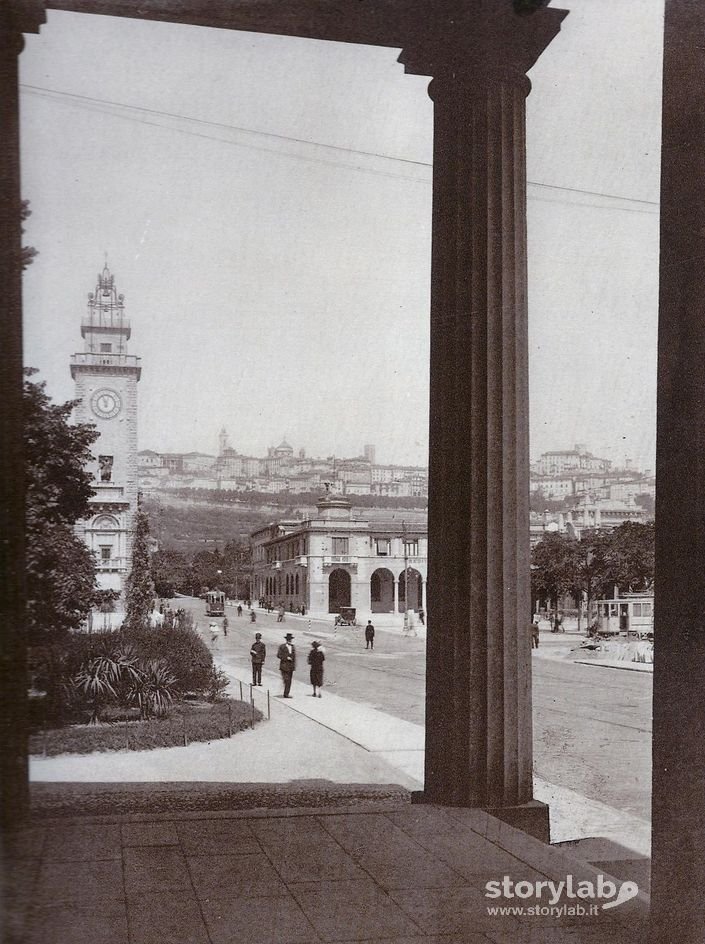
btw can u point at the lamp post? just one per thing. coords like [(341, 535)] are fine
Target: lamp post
[(406, 577)]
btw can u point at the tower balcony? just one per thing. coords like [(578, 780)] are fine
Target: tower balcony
[(105, 363), (106, 326)]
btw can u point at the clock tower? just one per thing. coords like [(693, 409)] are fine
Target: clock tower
[(106, 379)]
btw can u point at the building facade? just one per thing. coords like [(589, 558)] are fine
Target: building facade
[(335, 560), (106, 378)]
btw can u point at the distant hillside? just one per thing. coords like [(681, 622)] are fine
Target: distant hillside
[(188, 523)]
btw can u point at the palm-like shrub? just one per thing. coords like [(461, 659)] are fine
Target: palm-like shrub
[(94, 684), (153, 689)]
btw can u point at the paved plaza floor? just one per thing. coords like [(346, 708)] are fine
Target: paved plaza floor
[(395, 873)]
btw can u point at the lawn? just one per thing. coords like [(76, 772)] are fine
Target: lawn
[(186, 722)]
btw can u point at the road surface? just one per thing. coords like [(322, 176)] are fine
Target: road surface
[(592, 725)]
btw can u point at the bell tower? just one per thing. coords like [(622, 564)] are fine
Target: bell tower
[(106, 379)]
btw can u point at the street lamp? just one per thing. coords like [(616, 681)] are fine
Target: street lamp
[(406, 577)]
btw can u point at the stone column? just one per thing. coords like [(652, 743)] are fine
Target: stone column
[(14, 19), (395, 590), (478, 703), (678, 800)]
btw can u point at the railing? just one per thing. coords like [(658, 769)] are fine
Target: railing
[(115, 564), (93, 359), (333, 559)]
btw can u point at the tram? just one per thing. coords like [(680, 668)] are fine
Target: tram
[(215, 603), (630, 615)]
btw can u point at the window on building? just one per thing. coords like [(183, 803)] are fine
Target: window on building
[(383, 547), (105, 348), (106, 552), (105, 464), (411, 548), (340, 546)]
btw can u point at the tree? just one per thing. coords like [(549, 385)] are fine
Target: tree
[(139, 589), (61, 576), (170, 572), (28, 252), (551, 570), (631, 556), (589, 566)]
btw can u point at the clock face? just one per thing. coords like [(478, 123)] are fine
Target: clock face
[(106, 403)]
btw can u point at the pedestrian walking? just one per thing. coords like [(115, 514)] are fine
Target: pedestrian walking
[(369, 635), (214, 630), (225, 626), (422, 617), (287, 663), (534, 636), (258, 653), (239, 609), (253, 616), (280, 614), (316, 658)]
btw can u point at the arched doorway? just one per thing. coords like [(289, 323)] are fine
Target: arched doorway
[(410, 580), (382, 591), (338, 590)]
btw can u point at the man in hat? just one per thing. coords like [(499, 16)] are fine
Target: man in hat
[(258, 653), (287, 662)]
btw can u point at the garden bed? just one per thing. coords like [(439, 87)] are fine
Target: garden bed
[(186, 722)]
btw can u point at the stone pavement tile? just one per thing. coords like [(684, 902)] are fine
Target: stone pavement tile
[(217, 836), (79, 881), (457, 845), (374, 834), (288, 836), (417, 869), (155, 869), (528, 933), (25, 843), (81, 842), (351, 911), (103, 922), (257, 921), (450, 910), (165, 918), (228, 876), (466, 938), (317, 863), (149, 834)]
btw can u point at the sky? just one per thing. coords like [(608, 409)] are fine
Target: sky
[(265, 206)]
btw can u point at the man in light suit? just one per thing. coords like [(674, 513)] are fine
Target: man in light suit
[(287, 663)]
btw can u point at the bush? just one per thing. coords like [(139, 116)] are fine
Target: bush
[(85, 673), (188, 657)]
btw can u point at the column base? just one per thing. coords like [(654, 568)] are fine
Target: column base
[(531, 817)]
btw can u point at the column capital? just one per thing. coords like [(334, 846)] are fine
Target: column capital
[(482, 43)]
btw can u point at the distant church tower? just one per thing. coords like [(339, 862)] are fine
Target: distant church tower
[(106, 379)]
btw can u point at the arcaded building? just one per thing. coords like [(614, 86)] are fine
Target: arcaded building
[(336, 560)]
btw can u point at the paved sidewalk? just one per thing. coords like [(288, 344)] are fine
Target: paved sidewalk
[(399, 875)]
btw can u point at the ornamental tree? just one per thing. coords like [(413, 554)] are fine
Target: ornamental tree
[(139, 589)]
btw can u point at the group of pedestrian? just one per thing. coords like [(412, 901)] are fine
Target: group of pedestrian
[(286, 654)]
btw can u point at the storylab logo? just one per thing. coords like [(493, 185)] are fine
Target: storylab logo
[(565, 898)]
